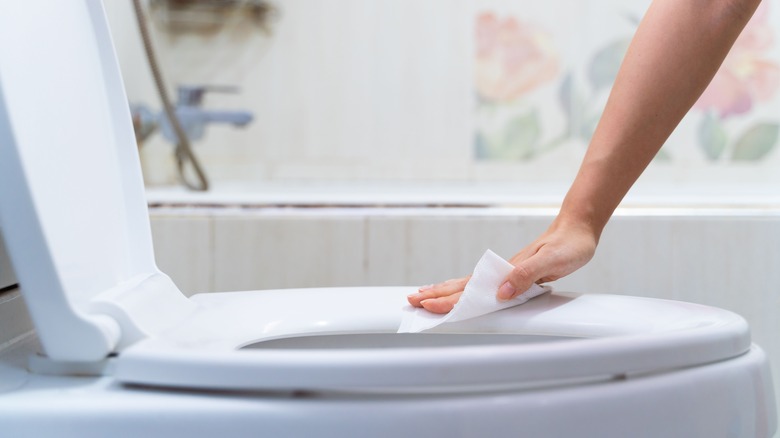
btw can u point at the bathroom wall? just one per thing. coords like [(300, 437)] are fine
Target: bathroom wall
[(466, 90)]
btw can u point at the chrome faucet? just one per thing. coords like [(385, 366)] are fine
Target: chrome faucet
[(191, 115), (194, 118)]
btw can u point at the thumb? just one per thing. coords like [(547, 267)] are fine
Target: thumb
[(522, 277)]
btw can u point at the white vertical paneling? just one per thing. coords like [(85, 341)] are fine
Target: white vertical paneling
[(262, 252), (386, 251), (183, 247)]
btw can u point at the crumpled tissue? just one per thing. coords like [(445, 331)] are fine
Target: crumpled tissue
[(478, 298)]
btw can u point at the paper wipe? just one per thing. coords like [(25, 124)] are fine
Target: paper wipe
[(479, 297)]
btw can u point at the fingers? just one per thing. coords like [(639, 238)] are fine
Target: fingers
[(550, 258), (444, 289), (441, 305), (522, 277)]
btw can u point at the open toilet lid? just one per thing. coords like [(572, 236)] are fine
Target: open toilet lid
[(72, 202)]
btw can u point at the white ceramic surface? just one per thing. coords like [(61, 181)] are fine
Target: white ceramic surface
[(619, 336), (101, 306), (648, 406)]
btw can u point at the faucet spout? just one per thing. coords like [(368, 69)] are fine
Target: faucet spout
[(194, 121), (236, 118), (193, 118)]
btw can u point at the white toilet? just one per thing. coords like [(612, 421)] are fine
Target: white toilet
[(123, 353)]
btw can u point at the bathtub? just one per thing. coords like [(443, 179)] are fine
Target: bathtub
[(247, 236), (712, 245), (459, 194)]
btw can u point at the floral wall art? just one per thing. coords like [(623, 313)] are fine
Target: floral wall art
[(513, 58), (452, 91), (749, 78), (541, 87)]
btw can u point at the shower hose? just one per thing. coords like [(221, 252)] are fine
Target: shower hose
[(184, 151)]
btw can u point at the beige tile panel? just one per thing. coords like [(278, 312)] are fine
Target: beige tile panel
[(183, 247), (255, 252)]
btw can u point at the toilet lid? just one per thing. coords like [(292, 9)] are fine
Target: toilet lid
[(72, 203)]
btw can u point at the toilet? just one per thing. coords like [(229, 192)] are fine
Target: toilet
[(120, 351)]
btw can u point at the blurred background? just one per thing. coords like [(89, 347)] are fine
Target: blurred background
[(440, 90), (390, 142)]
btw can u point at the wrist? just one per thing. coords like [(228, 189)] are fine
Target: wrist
[(581, 218)]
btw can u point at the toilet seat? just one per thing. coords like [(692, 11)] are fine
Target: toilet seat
[(73, 211), (597, 337)]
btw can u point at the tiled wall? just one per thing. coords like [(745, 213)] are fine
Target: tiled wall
[(700, 258), (15, 322), (434, 90)]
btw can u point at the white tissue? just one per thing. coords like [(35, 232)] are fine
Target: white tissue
[(479, 297)]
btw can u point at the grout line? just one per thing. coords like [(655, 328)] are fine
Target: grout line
[(17, 339)]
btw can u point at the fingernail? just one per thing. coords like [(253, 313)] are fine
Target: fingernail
[(426, 287), (506, 291)]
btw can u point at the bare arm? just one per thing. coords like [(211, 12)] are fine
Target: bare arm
[(676, 51), (674, 55)]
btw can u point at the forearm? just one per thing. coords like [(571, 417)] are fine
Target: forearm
[(676, 51)]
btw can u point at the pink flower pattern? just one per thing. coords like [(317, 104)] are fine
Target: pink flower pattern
[(746, 76), (512, 58)]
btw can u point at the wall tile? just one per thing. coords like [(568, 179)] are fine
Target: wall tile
[(633, 258), (386, 251), (357, 90), (14, 318), (184, 250), (443, 247), (257, 252)]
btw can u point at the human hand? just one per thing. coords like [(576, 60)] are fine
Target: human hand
[(558, 252)]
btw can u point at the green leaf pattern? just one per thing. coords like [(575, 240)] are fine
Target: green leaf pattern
[(753, 145), (756, 142), (712, 136), (519, 138), (604, 65), (516, 141)]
